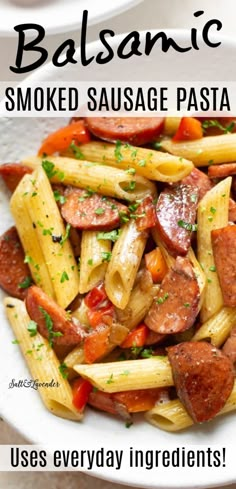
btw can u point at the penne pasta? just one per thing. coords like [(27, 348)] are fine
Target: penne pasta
[(139, 303), (171, 125), (218, 327), (125, 261), (212, 214), (205, 151), (42, 363), (128, 375), (172, 416), (112, 182), (20, 203), (93, 266), (151, 164), (58, 254)]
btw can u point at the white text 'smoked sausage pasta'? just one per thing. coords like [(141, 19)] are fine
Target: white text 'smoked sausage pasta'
[(120, 271)]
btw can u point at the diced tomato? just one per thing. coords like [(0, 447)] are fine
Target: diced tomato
[(61, 139), (147, 212), (138, 400), (95, 316), (156, 265), (81, 389), (136, 337), (96, 296), (130, 401), (188, 130), (96, 343)]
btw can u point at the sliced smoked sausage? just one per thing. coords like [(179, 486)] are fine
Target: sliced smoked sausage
[(14, 273), (224, 250), (52, 320), (176, 306), (12, 173), (133, 130), (92, 211), (176, 215), (203, 378), (199, 180)]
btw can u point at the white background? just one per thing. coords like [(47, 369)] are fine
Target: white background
[(150, 14)]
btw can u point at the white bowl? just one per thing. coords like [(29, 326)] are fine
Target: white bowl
[(58, 15), (23, 408)]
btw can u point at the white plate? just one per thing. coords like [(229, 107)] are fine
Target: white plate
[(22, 407), (59, 15)]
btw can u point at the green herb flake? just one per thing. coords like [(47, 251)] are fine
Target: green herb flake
[(187, 225), (110, 235), (63, 370), (193, 198), (128, 424), (77, 151), (126, 372), (161, 300), (32, 328), (49, 326), (106, 256), (110, 380), (131, 171), (142, 163), (123, 217), (212, 268), (90, 261), (99, 211), (147, 353), (186, 304), (48, 167), (118, 155), (66, 235), (213, 210), (59, 198), (64, 277), (15, 342), (26, 283)]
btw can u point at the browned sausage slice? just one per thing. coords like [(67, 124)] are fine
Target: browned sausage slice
[(229, 347), (14, 273), (224, 250), (52, 320), (133, 130), (199, 180), (176, 215), (175, 308), (84, 210), (232, 210), (203, 378), (12, 173)]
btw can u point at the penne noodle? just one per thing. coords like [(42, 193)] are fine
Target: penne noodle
[(92, 264), (125, 261), (151, 164), (42, 363), (138, 306), (205, 151), (212, 214), (171, 125), (19, 204), (108, 181), (218, 327), (128, 375), (59, 258), (172, 416)]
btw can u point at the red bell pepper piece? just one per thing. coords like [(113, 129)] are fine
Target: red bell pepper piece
[(61, 139), (188, 130), (136, 337), (81, 389)]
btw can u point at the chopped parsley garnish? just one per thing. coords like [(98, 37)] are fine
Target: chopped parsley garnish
[(49, 325), (213, 210), (126, 372), (90, 261), (66, 235), (142, 163), (15, 342), (131, 171), (99, 211), (193, 198), (128, 424), (212, 268), (133, 207), (32, 328), (26, 283), (156, 145), (59, 198), (111, 235), (187, 225), (215, 123), (123, 217), (132, 185), (48, 232), (110, 380), (48, 167), (106, 256), (147, 353), (160, 300), (64, 277), (28, 259), (186, 304), (77, 151), (118, 155), (63, 370)]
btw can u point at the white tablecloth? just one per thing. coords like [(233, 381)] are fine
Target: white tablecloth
[(149, 14)]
